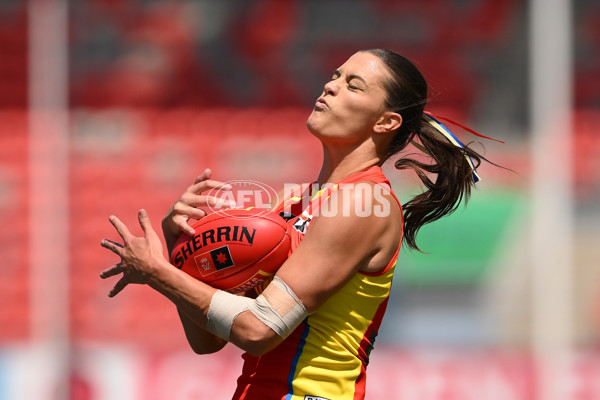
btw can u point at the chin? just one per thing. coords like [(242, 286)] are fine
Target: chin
[(324, 129), (312, 124)]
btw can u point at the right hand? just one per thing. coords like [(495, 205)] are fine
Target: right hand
[(187, 206)]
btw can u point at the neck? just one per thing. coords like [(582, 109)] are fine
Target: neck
[(341, 162)]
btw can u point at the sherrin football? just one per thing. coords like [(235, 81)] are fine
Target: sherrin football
[(234, 250)]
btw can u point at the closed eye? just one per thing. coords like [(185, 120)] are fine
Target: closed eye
[(349, 79)]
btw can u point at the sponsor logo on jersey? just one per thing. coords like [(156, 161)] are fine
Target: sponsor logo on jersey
[(307, 397), (301, 224)]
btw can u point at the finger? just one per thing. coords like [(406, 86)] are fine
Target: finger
[(114, 243), (120, 226), (112, 246), (220, 202), (204, 175), (120, 285), (209, 185), (112, 271), (187, 228), (206, 200), (145, 222), (182, 222), (186, 211)]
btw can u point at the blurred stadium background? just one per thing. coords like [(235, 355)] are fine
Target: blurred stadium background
[(107, 106)]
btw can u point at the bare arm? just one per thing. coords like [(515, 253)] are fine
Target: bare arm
[(200, 340), (333, 250)]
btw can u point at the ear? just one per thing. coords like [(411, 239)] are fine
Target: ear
[(388, 122)]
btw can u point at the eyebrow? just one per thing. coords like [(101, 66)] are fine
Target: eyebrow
[(352, 76)]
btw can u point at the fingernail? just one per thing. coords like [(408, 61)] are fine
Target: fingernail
[(228, 187), (110, 218)]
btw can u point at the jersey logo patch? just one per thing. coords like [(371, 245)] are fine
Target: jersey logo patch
[(307, 397), (301, 224), (303, 221)]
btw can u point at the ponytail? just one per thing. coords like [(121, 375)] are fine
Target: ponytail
[(454, 179), (454, 164)]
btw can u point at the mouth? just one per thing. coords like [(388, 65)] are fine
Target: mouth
[(321, 103)]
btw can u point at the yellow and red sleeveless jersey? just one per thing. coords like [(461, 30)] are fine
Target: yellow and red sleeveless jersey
[(327, 355)]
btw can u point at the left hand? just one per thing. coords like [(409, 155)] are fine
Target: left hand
[(140, 256)]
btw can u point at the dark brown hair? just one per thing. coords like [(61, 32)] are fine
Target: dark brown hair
[(407, 95)]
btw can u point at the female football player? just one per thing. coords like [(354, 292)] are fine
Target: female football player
[(308, 335)]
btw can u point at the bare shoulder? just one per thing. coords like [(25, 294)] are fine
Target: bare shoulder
[(377, 204), (364, 215)]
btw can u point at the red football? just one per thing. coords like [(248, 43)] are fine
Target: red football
[(234, 250)]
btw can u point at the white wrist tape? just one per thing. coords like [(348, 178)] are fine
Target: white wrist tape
[(278, 307)]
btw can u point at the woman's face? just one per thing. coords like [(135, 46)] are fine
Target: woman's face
[(352, 101)]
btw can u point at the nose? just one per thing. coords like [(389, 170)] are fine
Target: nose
[(330, 87)]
